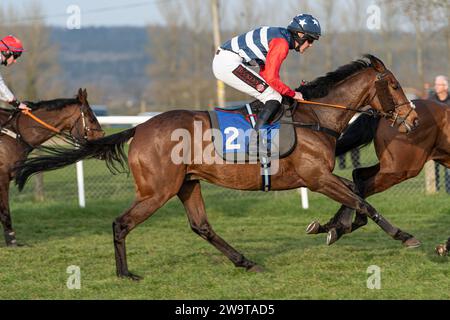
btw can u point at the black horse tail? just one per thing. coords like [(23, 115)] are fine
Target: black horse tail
[(358, 134), (109, 149)]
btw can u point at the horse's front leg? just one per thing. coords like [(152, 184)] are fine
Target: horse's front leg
[(372, 181), (341, 223), (5, 216), (333, 187), (368, 181)]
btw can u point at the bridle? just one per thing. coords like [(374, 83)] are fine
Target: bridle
[(86, 129), (388, 104)]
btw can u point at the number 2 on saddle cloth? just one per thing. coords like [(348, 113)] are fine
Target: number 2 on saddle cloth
[(236, 130)]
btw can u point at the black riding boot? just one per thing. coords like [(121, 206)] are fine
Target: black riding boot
[(264, 115)]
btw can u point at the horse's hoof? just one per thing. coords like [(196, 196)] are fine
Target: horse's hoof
[(313, 227), (442, 250), (130, 276), (255, 268), (332, 236), (17, 245), (412, 243)]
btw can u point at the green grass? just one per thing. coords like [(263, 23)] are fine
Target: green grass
[(268, 229), (177, 264)]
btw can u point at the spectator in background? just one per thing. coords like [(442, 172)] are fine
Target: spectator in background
[(442, 95), (427, 89)]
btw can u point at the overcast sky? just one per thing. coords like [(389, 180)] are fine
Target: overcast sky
[(145, 12), (135, 12), (98, 12)]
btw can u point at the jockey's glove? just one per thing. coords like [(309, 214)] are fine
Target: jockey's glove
[(15, 103), (19, 105)]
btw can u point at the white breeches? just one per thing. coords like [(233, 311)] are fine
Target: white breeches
[(228, 67)]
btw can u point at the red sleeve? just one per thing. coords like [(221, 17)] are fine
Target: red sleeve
[(278, 51)]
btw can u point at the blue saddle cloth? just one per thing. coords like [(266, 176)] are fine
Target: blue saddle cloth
[(236, 130), (232, 132)]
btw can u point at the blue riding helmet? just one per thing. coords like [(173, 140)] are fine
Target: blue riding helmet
[(306, 24)]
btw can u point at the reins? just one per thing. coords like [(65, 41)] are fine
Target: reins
[(36, 119), (316, 126), (41, 122), (336, 106)]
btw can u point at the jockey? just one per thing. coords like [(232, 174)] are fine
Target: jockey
[(266, 47), (10, 50)]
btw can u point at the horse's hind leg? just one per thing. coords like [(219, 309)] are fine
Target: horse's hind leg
[(136, 214), (190, 195)]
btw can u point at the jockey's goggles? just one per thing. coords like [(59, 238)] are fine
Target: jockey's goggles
[(16, 54), (309, 38)]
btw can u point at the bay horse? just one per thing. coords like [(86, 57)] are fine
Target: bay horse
[(73, 118), (401, 157), (158, 178)]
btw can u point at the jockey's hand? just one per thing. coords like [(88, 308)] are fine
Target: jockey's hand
[(23, 106), (298, 96)]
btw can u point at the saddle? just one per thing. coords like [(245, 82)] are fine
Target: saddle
[(5, 123), (232, 128)]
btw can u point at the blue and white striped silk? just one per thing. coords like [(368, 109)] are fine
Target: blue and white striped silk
[(254, 45)]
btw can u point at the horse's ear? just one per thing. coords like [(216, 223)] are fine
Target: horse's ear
[(80, 94), (377, 64)]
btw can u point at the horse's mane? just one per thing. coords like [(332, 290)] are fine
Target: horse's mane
[(321, 86), (56, 104)]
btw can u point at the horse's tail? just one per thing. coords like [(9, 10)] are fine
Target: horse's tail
[(358, 134), (109, 148)]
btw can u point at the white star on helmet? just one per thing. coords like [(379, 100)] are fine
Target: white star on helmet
[(302, 22), (315, 22)]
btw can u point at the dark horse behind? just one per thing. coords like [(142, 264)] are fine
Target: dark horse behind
[(21, 134), (158, 178), (401, 157)]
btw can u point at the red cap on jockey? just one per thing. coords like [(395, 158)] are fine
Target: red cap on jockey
[(11, 43)]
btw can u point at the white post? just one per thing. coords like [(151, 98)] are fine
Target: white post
[(80, 182), (217, 42), (304, 195)]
